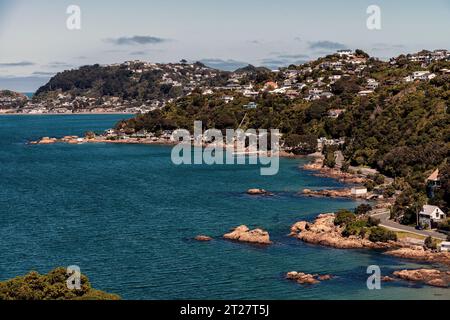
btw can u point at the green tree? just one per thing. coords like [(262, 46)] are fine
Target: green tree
[(51, 286), (363, 209), (344, 217)]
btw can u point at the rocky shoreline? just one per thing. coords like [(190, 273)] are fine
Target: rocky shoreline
[(78, 140), (324, 232), (336, 193), (317, 165), (431, 277), (420, 254), (143, 141)]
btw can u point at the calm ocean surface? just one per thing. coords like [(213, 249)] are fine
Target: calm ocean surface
[(126, 215)]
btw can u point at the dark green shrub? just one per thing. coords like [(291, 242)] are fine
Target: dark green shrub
[(430, 243), (379, 234), (363, 209), (344, 217)]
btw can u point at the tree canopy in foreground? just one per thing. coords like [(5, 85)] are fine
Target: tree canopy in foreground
[(51, 286)]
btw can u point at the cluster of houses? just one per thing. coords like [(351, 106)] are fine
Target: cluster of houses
[(428, 57), (300, 81), (325, 142), (11, 100), (310, 81), (66, 103), (345, 63), (187, 77)]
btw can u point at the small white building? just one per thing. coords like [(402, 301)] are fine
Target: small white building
[(228, 99), (365, 93), (372, 84), (430, 216), (359, 192), (445, 246)]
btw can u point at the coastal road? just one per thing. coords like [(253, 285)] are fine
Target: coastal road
[(384, 216)]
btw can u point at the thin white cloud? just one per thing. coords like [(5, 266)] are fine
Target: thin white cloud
[(137, 40), (16, 64)]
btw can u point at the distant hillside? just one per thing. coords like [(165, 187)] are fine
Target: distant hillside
[(133, 80), (252, 69), (394, 116), (10, 100)]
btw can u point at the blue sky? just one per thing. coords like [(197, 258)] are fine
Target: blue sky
[(35, 43)]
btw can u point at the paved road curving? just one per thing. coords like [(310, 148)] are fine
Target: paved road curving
[(384, 216)]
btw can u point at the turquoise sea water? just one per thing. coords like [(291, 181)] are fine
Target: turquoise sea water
[(29, 94), (126, 215)]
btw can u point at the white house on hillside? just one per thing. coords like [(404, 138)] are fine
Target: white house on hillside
[(431, 215)]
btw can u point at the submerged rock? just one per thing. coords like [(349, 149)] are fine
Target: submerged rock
[(387, 279), (203, 238), (304, 278), (258, 192), (244, 234)]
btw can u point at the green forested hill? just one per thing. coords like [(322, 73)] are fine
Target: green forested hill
[(402, 129), (134, 80)]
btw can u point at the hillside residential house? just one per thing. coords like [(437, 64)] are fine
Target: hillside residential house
[(251, 105), (420, 75), (268, 86), (433, 183), (430, 216), (434, 179), (372, 84), (335, 113), (323, 142), (228, 99)]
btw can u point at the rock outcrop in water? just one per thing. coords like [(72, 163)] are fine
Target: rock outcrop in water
[(304, 278), (244, 234), (435, 278), (324, 232)]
